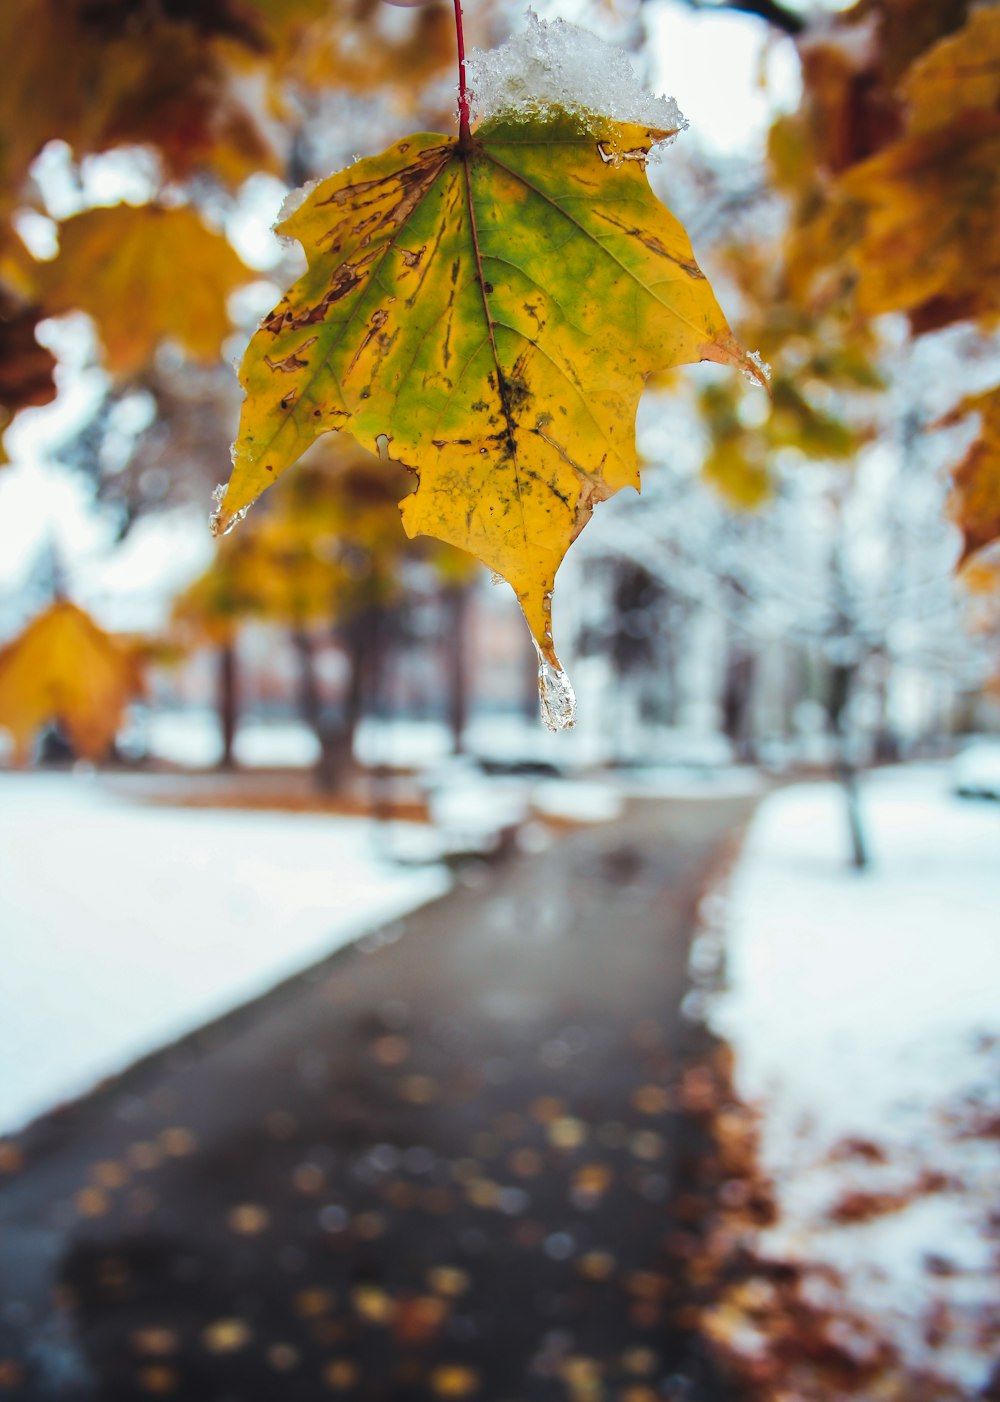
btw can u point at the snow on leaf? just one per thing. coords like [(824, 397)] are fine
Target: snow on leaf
[(65, 669), (494, 312), (556, 68)]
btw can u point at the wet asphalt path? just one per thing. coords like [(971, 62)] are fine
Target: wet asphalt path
[(445, 1165)]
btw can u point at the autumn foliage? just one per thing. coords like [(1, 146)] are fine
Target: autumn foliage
[(65, 670), (479, 310)]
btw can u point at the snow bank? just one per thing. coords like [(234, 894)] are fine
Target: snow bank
[(864, 1010), (125, 927)]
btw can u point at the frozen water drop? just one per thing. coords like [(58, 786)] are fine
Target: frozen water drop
[(496, 578), (217, 521), (763, 371), (556, 695)]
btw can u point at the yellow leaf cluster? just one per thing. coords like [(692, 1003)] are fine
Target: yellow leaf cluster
[(822, 361), (355, 50), (916, 223), (65, 669), (99, 79), (200, 86)]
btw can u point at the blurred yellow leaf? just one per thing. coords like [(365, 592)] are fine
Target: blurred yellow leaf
[(931, 228), (975, 502), (65, 669), (961, 73), (912, 221), (103, 75), (145, 274), (328, 545)]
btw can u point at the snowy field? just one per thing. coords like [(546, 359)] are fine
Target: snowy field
[(191, 739), (123, 927), (864, 1010)]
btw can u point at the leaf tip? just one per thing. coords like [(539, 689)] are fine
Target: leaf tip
[(756, 369), (556, 696), (221, 521)]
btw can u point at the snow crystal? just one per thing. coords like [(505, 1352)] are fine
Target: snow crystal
[(560, 67), (764, 377), (215, 520), (293, 202)]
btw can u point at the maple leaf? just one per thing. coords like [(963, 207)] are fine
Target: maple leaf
[(494, 311), (145, 274), (975, 502), (64, 668)]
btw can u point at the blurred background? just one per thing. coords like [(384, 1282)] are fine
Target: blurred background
[(221, 761)]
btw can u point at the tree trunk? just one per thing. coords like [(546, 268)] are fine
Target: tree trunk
[(357, 638), (329, 765), (458, 668), (842, 680), (227, 701), (737, 693)]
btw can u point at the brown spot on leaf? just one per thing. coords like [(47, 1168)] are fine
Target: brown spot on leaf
[(293, 361)]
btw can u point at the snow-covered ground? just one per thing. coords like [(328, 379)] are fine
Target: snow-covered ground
[(697, 760), (864, 1011), (123, 927)]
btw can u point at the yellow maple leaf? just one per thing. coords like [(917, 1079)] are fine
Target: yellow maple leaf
[(493, 309), (145, 274), (65, 669)]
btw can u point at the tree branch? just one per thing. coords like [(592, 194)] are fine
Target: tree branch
[(780, 16)]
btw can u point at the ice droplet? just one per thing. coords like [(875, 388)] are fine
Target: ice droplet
[(762, 366), (556, 695), (215, 519), (496, 578)]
